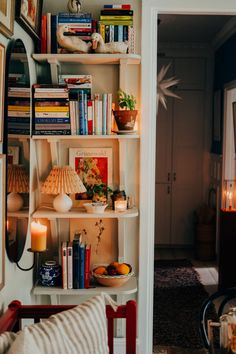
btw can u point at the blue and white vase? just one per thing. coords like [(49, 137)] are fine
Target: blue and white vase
[(50, 274)]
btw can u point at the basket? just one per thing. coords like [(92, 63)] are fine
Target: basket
[(112, 280)]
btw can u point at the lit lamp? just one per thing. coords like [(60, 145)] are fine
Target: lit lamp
[(62, 181), (17, 182)]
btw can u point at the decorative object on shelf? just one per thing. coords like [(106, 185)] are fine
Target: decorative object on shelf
[(118, 196), (38, 237), (93, 208), (2, 87), (229, 194), (62, 181), (7, 11), (94, 167), (120, 205), (115, 274), (72, 44), (74, 6), (50, 274), (163, 86), (99, 46), (130, 202), (28, 15), (101, 228), (17, 182), (125, 117)]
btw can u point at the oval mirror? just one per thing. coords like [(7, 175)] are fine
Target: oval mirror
[(16, 147)]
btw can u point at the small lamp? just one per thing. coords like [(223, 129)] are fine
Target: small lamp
[(62, 181), (17, 182)]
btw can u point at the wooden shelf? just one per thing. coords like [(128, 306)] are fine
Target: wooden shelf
[(19, 214), (85, 137), (128, 288), (81, 213), (87, 58)]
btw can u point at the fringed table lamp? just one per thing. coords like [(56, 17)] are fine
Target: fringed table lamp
[(62, 181), (17, 182)]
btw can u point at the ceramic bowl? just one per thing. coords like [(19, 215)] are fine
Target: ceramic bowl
[(93, 208), (112, 280)]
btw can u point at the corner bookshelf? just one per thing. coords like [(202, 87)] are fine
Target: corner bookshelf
[(55, 144)]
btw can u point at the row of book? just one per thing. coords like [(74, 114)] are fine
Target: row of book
[(115, 24), (75, 261), (18, 110), (69, 109)]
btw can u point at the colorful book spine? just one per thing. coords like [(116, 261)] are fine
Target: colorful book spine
[(52, 120), (73, 19), (116, 12), (75, 15), (85, 114), (64, 264), (81, 111), (117, 22), (49, 32), (87, 266), (114, 17), (76, 263), (90, 117), (82, 265), (54, 24), (109, 113), (43, 42), (118, 6), (70, 265), (104, 113)]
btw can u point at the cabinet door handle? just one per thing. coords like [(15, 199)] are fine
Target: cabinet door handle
[(174, 176), (168, 177), (168, 190)]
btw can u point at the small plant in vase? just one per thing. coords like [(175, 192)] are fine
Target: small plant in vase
[(125, 117), (99, 192)]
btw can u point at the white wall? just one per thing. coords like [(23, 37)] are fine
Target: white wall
[(18, 284)]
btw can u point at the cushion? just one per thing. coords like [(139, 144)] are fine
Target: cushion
[(81, 330), (6, 340)]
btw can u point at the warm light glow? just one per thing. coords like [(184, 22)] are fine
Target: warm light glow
[(38, 237), (120, 205)]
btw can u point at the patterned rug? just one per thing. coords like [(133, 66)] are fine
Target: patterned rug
[(178, 295)]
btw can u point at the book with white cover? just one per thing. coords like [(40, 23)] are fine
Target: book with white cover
[(64, 264), (70, 266)]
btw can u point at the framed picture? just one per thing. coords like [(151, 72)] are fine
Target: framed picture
[(7, 12), (94, 167), (28, 15), (13, 153), (2, 87), (2, 218)]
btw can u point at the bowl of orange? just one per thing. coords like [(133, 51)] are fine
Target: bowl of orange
[(115, 274)]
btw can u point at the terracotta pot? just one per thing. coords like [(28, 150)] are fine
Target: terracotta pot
[(125, 119)]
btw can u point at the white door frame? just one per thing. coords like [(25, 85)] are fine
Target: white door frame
[(150, 10)]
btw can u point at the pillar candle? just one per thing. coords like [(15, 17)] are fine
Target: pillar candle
[(38, 237)]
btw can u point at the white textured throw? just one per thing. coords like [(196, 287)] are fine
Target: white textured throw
[(81, 330), (6, 340)]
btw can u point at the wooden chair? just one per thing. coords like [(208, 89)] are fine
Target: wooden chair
[(11, 319), (221, 299)]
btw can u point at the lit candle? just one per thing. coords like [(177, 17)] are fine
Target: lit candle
[(120, 205), (230, 196), (38, 237)]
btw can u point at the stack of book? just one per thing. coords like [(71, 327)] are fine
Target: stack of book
[(18, 110), (116, 25), (51, 114), (75, 260), (76, 24)]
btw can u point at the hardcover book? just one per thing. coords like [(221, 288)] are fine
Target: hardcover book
[(64, 265)]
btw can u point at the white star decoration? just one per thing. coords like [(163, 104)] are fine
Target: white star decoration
[(163, 86)]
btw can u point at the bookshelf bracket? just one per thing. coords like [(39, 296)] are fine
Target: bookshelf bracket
[(54, 67)]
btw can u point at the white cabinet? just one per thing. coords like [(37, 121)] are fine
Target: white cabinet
[(49, 150), (179, 158)]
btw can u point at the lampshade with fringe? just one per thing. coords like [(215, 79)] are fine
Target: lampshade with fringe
[(62, 181), (17, 182)]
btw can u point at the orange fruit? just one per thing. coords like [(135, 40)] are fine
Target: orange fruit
[(114, 264), (100, 270), (123, 269)]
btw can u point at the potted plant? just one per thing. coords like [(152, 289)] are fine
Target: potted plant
[(125, 117)]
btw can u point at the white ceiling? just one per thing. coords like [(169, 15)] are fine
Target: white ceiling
[(191, 28)]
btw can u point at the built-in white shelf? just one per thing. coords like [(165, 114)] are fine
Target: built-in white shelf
[(56, 138), (128, 288), (77, 213), (19, 214), (87, 58)]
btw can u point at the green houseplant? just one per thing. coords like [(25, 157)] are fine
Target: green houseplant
[(125, 117)]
